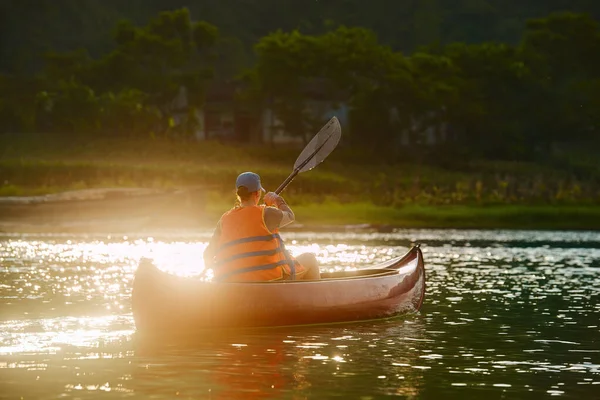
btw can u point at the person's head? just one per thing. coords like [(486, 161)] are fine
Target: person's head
[(248, 187)]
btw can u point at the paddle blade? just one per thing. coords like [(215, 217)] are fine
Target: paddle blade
[(320, 146)]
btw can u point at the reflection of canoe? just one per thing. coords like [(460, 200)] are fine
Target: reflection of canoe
[(167, 304), (272, 364)]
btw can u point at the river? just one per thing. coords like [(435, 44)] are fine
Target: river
[(507, 314)]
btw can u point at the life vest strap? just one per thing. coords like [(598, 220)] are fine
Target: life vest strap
[(265, 238), (249, 254), (280, 248), (290, 261), (252, 269)]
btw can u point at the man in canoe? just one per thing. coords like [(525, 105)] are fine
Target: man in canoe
[(246, 246)]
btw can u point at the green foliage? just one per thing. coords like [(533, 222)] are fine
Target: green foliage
[(75, 108), (125, 92), (498, 100), (104, 116), (59, 163), (449, 101), (293, 69), (564, 49), (28, 30), (169, 52)]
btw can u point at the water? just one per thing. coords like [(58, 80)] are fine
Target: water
[(506, 315)]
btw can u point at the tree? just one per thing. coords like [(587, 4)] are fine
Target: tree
[(294, 72), (17, 110), (169, 52), (564, 50), (76, 109), (285, 63), (138, 79), (495, 96)]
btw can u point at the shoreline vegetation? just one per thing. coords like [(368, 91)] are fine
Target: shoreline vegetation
[(331, 216), (474, 133), (347, 189), (173, 76)]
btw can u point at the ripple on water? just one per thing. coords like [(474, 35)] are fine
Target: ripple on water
[(513, 312)]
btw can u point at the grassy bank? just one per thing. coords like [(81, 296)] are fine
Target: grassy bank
[(348, 188), (483, 217), (449, 216)]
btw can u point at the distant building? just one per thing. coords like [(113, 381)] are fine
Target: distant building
[(424, 130), (224, 117)]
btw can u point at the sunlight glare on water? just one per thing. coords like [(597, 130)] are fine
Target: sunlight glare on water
[(512, 313)]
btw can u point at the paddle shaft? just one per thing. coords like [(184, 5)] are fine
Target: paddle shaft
[(287, 181), (299, 168)]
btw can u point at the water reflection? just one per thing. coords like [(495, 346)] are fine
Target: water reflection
[(512, 314), (287, 363)]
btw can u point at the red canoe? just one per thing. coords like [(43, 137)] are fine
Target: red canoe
[(167, 304)]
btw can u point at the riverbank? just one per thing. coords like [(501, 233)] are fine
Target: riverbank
[(189, 185), (118, 211), (456, 217)]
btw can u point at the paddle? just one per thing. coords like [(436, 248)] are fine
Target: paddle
[(316, 150)]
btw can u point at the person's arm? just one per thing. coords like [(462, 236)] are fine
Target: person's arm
[(280, 214), (211, 249)]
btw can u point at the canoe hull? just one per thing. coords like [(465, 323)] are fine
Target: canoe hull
[(166, 304)]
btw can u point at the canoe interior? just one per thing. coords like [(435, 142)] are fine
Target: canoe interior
[(361, 273)]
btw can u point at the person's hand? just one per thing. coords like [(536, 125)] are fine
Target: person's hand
[(273, 199)]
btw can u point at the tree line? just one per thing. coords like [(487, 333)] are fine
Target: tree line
[(30, 27), (488, 99)]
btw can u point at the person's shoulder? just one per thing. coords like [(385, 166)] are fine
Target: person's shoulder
[(226, 216), (232, 209)]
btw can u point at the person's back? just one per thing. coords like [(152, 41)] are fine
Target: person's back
[(246, 245), (248, 251)]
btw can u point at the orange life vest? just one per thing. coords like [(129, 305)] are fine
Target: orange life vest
[(248, 251)]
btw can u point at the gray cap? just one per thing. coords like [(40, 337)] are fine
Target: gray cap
[(250, 180)]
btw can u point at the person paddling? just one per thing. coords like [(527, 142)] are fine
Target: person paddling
[(246, 245)]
